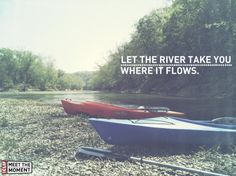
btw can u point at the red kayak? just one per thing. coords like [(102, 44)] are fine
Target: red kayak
[(105, 110)]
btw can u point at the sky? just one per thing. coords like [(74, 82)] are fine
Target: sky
[(77, 35)]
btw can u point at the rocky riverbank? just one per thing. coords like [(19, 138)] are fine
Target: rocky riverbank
[(45, 135)]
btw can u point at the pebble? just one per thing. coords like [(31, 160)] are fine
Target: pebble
[(33, 126)]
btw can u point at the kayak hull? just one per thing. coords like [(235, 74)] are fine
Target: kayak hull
[(124, 132), (104, 110)]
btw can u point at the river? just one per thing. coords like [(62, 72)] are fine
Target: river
[(194, 108)]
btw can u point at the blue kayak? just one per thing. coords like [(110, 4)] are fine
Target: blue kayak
[(164, 130)]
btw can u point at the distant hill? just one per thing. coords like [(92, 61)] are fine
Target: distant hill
[(86, 77)]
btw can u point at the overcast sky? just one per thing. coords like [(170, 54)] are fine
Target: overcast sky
[(76, 34)]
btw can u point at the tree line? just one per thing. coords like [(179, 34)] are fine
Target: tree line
[(187, 27), (23, 70)]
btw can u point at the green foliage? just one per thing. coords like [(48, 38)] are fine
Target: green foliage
[(24, 70), (187, 27), (71, 81), (86, 80)]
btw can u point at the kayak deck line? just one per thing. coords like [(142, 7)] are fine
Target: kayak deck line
[(151, 121), (166, 123), (207, 123)]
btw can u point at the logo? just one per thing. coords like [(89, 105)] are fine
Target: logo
[(16, 167)]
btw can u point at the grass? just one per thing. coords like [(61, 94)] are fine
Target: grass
[(45, 135)]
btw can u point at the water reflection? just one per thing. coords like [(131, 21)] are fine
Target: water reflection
[(194, 108)]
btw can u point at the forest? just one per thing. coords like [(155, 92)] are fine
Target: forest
[(23, 70), (187, 27)]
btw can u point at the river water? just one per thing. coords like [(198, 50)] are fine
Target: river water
[(194, 108)]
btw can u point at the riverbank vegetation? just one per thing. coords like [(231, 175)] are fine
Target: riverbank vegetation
[(23, 70), (187, 27)]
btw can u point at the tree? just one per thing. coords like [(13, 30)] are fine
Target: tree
[(187, 27)]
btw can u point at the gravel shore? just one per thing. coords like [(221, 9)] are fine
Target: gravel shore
[(45, 135)]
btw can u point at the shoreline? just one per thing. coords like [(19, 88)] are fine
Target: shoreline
[(151, 94), (44, 134)]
